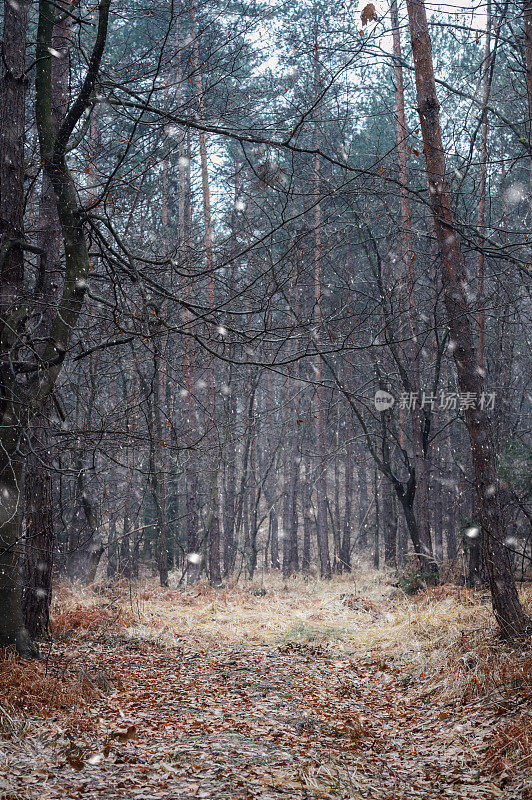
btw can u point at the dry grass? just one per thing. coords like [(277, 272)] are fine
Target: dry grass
[(510, 746), (360, 615), (443, 642), (93, 618), (31, 688), (445, 638), (59, 683)]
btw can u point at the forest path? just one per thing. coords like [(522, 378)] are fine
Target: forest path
[(253, 720)]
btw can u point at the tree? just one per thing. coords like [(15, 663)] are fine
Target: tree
[(506, 605), (27, 384)]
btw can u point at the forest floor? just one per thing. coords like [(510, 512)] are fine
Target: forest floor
[(301, 689)]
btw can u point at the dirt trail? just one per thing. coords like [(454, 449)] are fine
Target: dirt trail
[(297, 720)]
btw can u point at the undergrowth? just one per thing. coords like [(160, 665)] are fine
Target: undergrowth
[(442, 643)]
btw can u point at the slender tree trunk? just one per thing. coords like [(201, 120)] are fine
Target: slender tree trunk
[(190, 417), (363, 504), (321, 481), (306, 499), (345, 552), (287, 498), (527, 20), (229, 545), (449, 498), (389, 524), (506, 605), (437, 516), (252, 498), (376, 531), (336, 524), (213, 534), (409, 260), (274, 541), (293, 514), (112, 550), (133, 541), (271, 489), (157, 466), (481, 217), (402, 528)]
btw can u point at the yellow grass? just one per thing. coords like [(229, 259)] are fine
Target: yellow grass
[(444, 638), (442, 646)]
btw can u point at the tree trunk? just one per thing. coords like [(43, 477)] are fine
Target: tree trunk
[(215, 573), (112, 550), (389, 524), (321, 481), (376, 543), (287, 504), (39, 507), (293, 519), (13, 82), (481, 216), (527, 20), (306, 499), (39, 533), (12, 137), (336, 524), (409, 260), (274, 540), (449, 500), (437, 511), (12, 630), (363, 503), (18, 410), (157, 467), (213, 537), (345, 552), (229, 549), (506, 605)]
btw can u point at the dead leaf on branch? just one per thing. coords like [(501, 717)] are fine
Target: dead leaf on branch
[(369, 14)]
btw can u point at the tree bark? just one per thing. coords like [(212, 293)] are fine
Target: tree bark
[(38, 554), (363, 504), (213, 536), (481, 216), (306, 499), (409, 259), (376, 531), (345, 552), (527, 21), (13, 83), (437, 509), (389, 524), (321, 480), (274, 541), (39, 507), (12, 630), (157, 466), (12, 132)]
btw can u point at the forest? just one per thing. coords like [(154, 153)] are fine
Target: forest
[(265, 391)]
